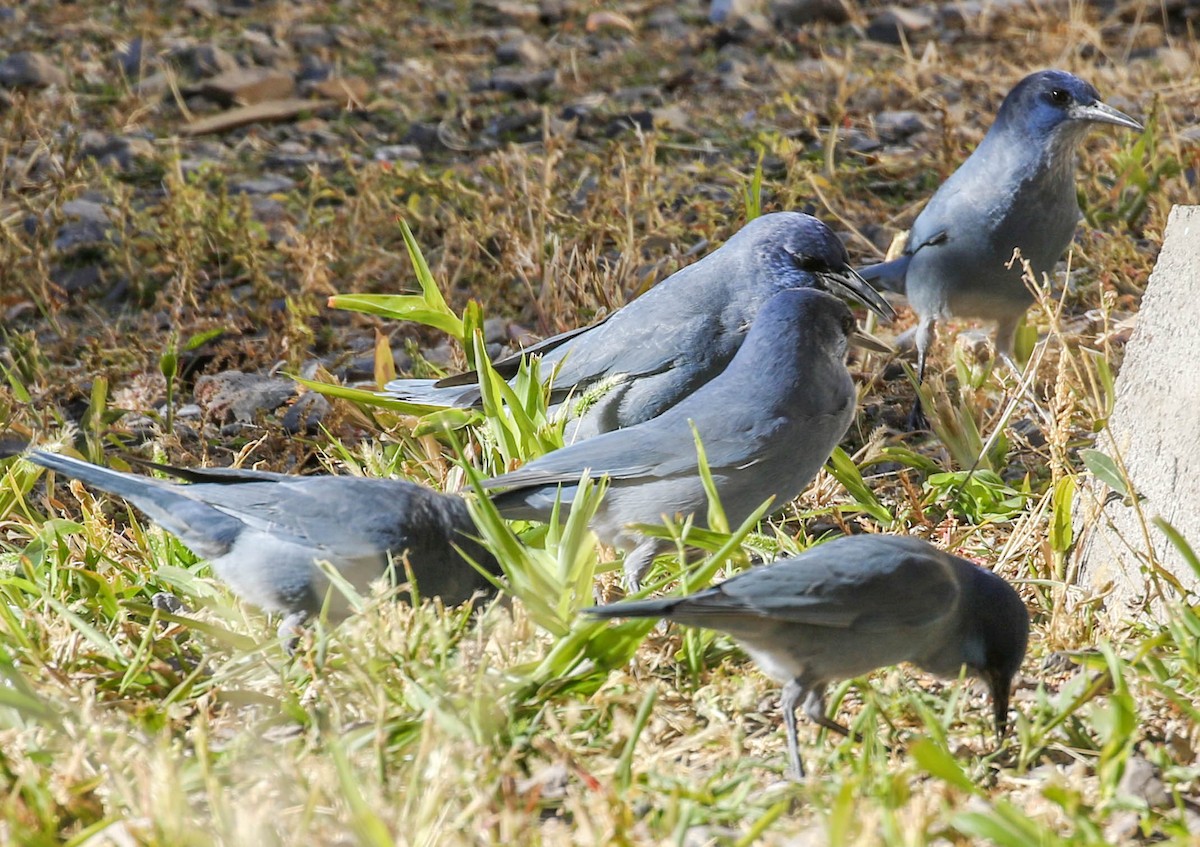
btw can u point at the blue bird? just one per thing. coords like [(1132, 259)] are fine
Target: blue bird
[(768, 423), (664, 345), (264, 533), (846, 607), (1015, 192)]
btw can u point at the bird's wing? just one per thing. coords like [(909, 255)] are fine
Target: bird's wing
[(346, 515), (219, 476), (886, 590), (639, 451), (507, 367), (634, 348)]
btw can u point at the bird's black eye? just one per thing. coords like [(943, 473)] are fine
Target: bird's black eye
[(811, 264), (1060, 96)]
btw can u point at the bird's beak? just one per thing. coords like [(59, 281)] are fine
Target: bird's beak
[(1102, 113), (848, 281), (1000, 688), (869, 342)]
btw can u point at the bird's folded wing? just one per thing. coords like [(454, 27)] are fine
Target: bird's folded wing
[(507, 367), (344, 515), (905, 591)]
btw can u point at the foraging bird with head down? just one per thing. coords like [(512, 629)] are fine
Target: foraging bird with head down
[(767, 422), (263, 533), (667, 343), (1016, 191), (844, 608)]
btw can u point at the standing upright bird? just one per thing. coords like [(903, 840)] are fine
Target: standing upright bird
[(662, 346), (1016, 191), (767, 423), (264, 532), (846, 607)]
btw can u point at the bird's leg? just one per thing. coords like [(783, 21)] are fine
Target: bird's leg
[(793, 692), (814, 709), (926, 331), (638, 561), (290, 630)]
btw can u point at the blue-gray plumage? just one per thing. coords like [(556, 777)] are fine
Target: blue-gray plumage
[(1016, 191), (681, 333), (844, 608), (768, 423), (264, 532)]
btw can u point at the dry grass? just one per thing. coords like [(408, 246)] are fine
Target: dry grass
[(418, 726)]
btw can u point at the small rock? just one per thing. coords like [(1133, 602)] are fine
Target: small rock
[(76, 278), (166, 602), (246, 86), (312, 36), (510, 12), (1141, 781), (523, 50), (798, 13), (495, 330), (523, 83), (203, 60), (958, 14), (313, 69), (233, 395), (31, 70), (120, 151), (344, 90), (268, 52), (152, 86), (306, 414), (440, 356), (897, 126), (398, 153), (1122, 827), (729, 11), (201, 8), (732, 74), (266, 184), (86, 223), (897, 23)]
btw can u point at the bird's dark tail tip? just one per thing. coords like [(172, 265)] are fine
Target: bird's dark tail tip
[(634, 609)]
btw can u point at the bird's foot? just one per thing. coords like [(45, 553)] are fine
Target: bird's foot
[(917, 422), (289, 631)]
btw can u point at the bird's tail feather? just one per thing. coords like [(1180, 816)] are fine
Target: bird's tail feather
[(656, 608), (202, 527), (887, 276), (426, 393)]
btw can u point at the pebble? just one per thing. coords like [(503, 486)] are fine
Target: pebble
[(246, 86), (889, 26), (523, 50), (237, 396), (31, 70), (397, 153), (898, 126), (203, 60), (798, 13), (523, 83), (1141, 781), (122, 152)]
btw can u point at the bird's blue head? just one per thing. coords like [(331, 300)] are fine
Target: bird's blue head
[(1046, 103), (1001, 634), (802, 252)]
